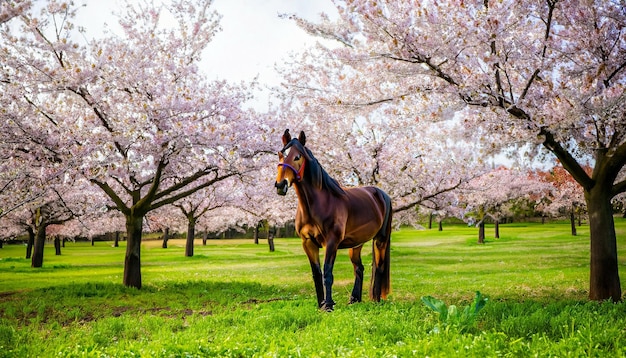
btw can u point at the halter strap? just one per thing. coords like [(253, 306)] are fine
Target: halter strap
[(298, 173)]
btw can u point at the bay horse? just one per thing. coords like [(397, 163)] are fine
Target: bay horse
[(332, 217)]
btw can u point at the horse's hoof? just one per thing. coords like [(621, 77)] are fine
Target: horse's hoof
[(327, 307), (353, 300)]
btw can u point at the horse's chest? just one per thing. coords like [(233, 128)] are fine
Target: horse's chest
[(311, 233)]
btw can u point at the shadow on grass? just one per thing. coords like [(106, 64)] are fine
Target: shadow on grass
[(90, 301)]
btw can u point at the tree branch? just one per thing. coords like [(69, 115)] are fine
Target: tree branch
[(172, 199), (427, 197), (57, 55), (48, 116), (535, 75), (121, 206), (607, 81), (615, 164), (420, 59), (144, 203), (86, 96), (619, 188), (183, 183), (567, 160), (530, 82), (119, 181)]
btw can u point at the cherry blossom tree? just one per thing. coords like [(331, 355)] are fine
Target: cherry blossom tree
[(10, 9), (19, 184), (494, 194), (442, 206), (61, 203), (132, 112), (99, 222), (563, 195), (27, 164), (36, 190), (201, 203), (17, 223), (544, 72)]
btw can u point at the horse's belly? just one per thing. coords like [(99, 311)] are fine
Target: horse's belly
[(358, 237), (350, 244)]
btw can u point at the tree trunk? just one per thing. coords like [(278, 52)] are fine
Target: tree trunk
[(191, 233), (440, 225), (497, 228), (132, 261), (270, 239), (40, 241), (604, 280), (289, 230), (57, 246), (430, 220), (572, 221), (31, 242), (205, 237), (166, 236), (256, 234), (481, 232), (116, 242)]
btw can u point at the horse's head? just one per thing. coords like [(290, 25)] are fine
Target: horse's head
[(291, 161)]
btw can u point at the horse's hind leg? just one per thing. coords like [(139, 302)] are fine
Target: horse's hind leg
[(357, 290), (380, 285)]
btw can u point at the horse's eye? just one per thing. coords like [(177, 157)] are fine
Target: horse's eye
[(297, 157)]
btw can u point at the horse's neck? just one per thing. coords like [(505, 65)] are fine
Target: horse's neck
[(308, 195)]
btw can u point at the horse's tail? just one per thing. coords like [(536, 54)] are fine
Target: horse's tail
[(380, 285)]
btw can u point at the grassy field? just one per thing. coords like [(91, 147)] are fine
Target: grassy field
[(236, 299)]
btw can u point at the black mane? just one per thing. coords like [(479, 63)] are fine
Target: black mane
[(313, 171)]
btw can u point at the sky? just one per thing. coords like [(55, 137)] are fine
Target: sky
[(252, 41), (254, 38)]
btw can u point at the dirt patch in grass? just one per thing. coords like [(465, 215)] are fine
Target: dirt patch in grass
[(160, 311)]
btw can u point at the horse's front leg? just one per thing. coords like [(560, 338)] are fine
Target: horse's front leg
[(313, 253), (329, 262)]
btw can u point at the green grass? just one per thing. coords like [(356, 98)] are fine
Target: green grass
[(236, 299)]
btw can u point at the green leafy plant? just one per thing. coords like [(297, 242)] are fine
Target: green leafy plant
[(451, 316)]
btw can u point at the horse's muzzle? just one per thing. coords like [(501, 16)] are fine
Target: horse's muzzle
[(281, 188)]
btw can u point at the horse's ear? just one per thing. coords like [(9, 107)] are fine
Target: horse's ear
[(286, 137), (302, 138)]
